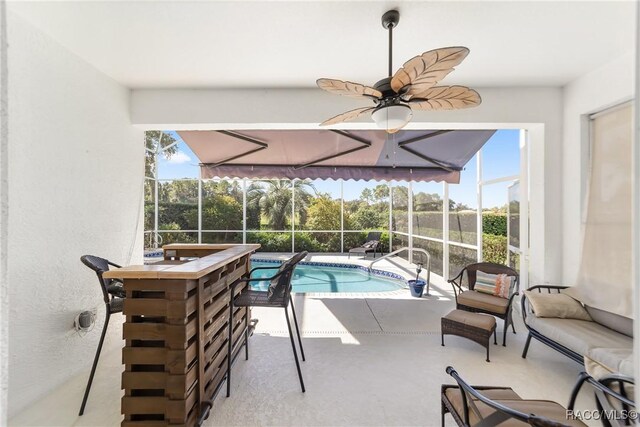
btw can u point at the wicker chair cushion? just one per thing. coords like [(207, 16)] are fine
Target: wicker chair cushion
[(483, 301), (541, 408), (579, 335), (482, 321), (556, 305)]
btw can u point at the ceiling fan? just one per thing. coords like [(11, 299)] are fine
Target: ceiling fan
[(412, 87)]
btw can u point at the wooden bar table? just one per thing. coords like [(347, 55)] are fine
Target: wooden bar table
[(176, 331)]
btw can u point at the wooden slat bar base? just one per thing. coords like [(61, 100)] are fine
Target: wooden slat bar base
[(175, 353)]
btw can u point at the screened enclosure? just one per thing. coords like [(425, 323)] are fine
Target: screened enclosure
[(457, 224)]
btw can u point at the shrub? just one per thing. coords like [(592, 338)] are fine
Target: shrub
[(494, 248), (317, 242), (494, 223), (271, 242)]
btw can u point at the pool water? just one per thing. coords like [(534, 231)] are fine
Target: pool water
[(319, 278)]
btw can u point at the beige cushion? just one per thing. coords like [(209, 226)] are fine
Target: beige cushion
[(600, 362), (483, 301), (482, 321), (579, 335), (508, 397), (556, 305), (618, 323)]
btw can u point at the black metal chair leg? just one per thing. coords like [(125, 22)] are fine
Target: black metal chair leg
[(295, 322), (293, 346), (504, 333), (513, 326), (246, 335), (95, 361), (495, 336), (230, 346), (526, 346)]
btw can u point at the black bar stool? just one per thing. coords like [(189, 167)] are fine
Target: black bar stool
[(114, 295), (279, 296)]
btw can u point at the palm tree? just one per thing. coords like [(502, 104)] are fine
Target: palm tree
[(274, 199)]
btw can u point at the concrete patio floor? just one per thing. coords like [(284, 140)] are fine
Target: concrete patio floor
[(372, 359)]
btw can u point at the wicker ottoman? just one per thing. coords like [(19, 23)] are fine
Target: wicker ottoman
[(474, 326)]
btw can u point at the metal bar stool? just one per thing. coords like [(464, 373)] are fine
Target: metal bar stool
[(278, 295), (113, 294)]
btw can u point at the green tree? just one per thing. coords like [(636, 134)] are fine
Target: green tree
[(324, 213), (221, 212), (254, 194), (178, 191), (381, 192), (368, 217), (400, 197), (275, 201), (427, 202), (367, 196)]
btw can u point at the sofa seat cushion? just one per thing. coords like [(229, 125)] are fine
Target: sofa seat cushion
[(579, 335), (600, 362), (508, 397), (483, 301)]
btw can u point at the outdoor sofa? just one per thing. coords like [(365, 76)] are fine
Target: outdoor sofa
[(600, 340)]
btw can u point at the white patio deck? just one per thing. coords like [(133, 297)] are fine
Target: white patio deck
[(372, 359)]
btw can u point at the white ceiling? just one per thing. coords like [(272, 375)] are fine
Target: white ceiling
[(161, 44)]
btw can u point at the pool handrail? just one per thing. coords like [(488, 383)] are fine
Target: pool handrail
[(406, 248)]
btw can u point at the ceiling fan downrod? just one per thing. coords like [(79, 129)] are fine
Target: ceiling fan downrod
[(390, 20)]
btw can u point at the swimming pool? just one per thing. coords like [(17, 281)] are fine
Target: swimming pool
[(321, 277)]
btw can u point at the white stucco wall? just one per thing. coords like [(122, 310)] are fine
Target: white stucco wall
[(602, 88), (75, 187), (537, 109), (4, 138)]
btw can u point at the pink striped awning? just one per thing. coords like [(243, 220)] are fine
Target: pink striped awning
[(363, 154)]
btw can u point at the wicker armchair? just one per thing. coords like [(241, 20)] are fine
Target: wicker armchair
[(478, 302), (113, 295), (484, 406)]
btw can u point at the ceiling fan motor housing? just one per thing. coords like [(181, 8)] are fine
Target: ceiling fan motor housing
[(389, 96)]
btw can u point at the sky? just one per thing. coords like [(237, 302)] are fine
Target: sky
[(500, 157)]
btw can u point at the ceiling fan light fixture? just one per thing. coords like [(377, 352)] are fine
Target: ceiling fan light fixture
[(392, 117)]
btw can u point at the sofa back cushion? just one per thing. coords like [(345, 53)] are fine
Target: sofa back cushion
[(618, 323)]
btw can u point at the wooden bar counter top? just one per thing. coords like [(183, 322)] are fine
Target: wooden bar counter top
[(176, 331)]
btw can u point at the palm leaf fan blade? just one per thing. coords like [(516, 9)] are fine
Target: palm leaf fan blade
[(446, 98), (347, 116), (425, 71), (345, 88)]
